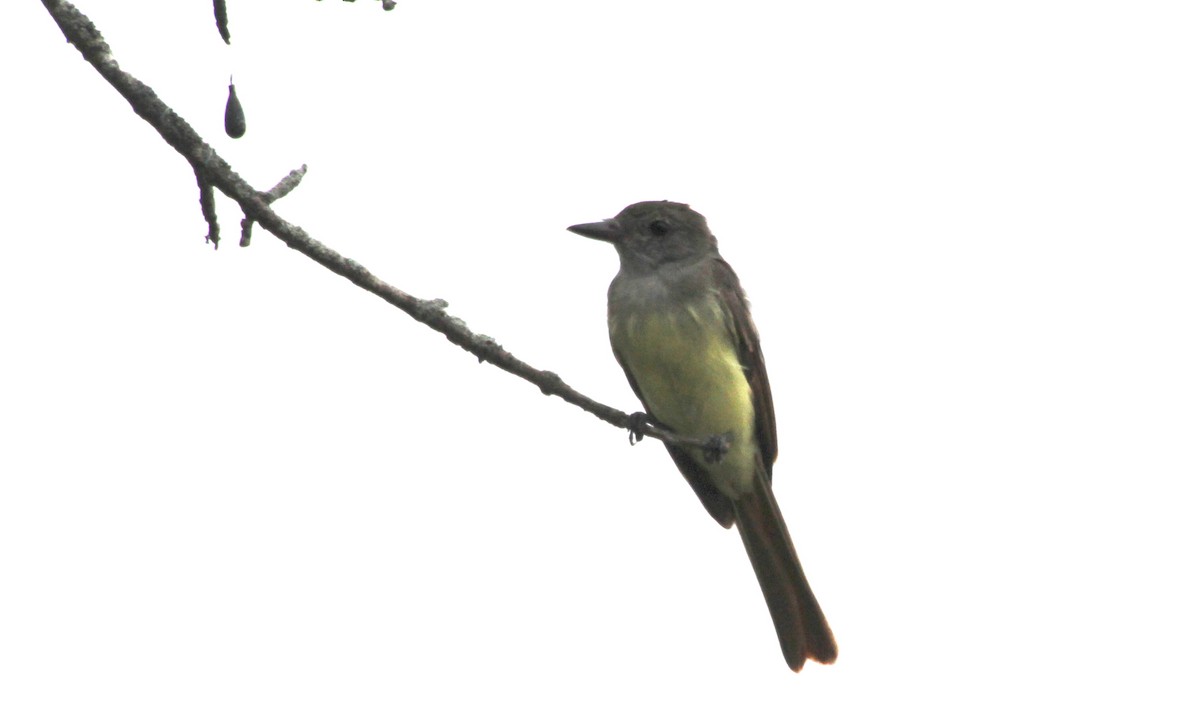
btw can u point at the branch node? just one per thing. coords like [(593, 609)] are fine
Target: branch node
[(277, 191), (549, 383), (486, 347)]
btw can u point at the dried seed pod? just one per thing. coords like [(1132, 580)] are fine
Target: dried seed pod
[(222, 19), (235, 119)]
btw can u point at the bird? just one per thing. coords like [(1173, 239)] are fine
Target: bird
[(680, 327)]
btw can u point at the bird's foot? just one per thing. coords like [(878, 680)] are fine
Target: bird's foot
[(717, 447), (637, 427)]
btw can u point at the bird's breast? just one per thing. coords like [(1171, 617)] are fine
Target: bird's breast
[(685, 363)]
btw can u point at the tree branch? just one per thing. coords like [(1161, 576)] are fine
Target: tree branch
[(213, 171)]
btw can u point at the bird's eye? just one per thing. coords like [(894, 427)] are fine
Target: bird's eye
[(659, 227)]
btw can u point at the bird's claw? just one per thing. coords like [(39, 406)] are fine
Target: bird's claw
[(637, 427)]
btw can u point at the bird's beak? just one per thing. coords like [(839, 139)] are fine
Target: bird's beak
[(606, 231)]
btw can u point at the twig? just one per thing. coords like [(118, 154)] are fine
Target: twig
[(280, 189), (208, 208), (212, 170)]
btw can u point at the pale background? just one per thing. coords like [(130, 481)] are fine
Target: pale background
[(969, 232)]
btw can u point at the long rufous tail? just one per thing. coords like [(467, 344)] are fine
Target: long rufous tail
[(799, 622)]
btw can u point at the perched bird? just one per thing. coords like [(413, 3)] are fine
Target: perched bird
[(680, 327)]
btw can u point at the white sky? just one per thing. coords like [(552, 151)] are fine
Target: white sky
[(970, 232)]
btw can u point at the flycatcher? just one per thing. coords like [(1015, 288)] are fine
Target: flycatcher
[(680, 327)]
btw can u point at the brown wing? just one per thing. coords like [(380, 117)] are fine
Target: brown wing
[(741, 326), (715, 502)]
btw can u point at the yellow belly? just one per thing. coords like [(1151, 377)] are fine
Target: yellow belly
[(689, 376)]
